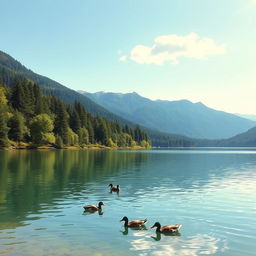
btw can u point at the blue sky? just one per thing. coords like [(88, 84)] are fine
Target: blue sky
[(200, 50)]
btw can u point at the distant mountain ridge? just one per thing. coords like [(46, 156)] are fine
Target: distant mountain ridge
[(246, 139), (250, 117), (178, 117), (11, 69)]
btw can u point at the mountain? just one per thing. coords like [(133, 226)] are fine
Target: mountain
[(11, 69), (250, 117), (178, 117), (246, 139)]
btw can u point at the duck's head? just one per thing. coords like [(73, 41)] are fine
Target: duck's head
[(118, 186), (101, 203), (110, 185), (124, 219), (156, 225)]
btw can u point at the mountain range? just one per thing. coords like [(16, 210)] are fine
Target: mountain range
[(10, 69), (177, 117), (158, 118), (250, 117)]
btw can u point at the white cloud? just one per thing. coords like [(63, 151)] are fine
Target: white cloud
[(170, 48), (123, 58)]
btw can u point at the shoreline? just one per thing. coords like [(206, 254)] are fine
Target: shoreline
[(87, 147)]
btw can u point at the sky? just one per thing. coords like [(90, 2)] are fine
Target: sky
[(199, 50)]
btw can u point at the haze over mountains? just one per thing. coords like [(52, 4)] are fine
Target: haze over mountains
[(174, 118), (245, 139), (179, 117), (11, 69), (250, 117)]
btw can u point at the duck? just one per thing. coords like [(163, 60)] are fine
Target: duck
[(134, 223), (114, 188), (93, 207), (167, 228)]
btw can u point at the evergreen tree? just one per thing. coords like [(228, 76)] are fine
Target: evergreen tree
[(39, 105), (101, 131), (83, 136), (61, 121), (17, 126), (81, 113), (3, 128), (75, 122), (90, 129), (18, 95), (59, 142)]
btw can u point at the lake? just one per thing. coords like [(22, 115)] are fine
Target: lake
[(211, 192)]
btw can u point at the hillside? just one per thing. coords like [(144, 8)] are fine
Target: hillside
[(250, 117), (11, 69), (33, 119), (177, 117), (246, 139)]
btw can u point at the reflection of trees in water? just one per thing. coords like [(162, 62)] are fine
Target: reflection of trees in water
[(30, 178)]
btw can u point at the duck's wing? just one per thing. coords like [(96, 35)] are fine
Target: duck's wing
[(170, 228), (90, 207), (136, 223)]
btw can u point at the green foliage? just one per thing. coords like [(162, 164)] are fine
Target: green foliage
[(3, 128), (3, 99), (18, 129), (61, 120), (111, 143), (48, 137), (59, 142), (72, 138), (41, 127), (83, 136), (145, 144), (31, 116)]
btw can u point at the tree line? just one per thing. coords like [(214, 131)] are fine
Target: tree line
[(31, 117)]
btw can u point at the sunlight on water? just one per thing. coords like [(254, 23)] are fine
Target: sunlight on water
[(210, 192)]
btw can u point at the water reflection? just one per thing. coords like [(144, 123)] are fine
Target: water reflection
[(29, 180), (193, 246), (42, 194), (89, 212), (159, 235), (126, 229)]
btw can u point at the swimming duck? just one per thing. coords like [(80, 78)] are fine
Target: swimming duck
[(134, 223), (167, 228), (93, 207), (114, 188)]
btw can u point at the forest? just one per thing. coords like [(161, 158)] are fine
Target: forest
[(30, 119)]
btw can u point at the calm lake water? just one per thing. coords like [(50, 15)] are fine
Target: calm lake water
[(211, 192)]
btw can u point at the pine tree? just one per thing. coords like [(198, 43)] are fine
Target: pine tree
[(83, 136), (39, 106), (18, 95), (74, 120), (59, 142), (90, 129), (17, 126), (3, 128), (61, 121)]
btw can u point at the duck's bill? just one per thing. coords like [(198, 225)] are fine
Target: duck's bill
[(153, 226)]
